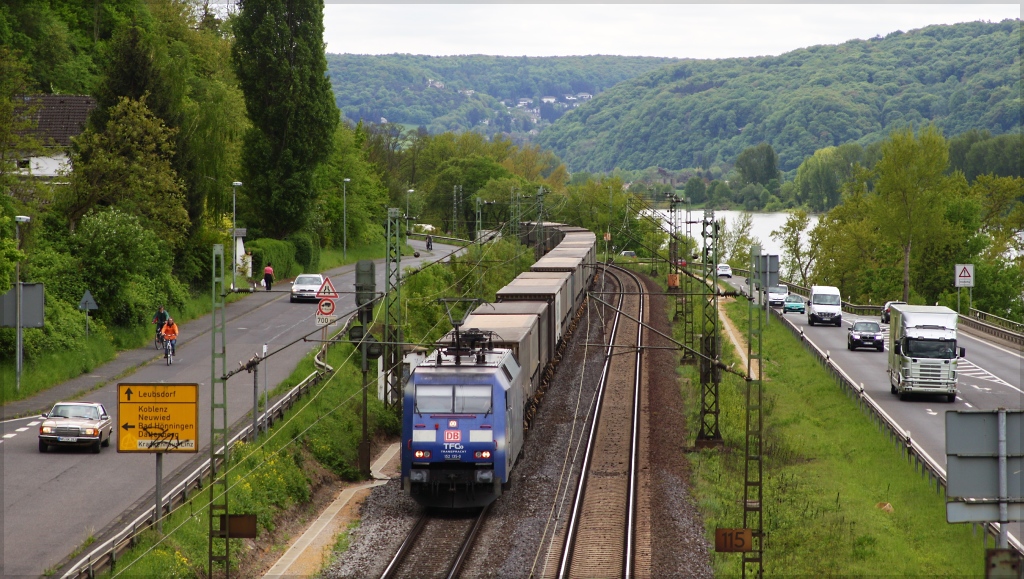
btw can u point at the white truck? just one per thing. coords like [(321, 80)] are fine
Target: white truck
[(922, 351)]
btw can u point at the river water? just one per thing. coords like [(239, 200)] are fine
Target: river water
[(762, 225)]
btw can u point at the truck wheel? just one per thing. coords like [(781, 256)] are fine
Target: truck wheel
[(904, 395), (951, 398), (892, 388)]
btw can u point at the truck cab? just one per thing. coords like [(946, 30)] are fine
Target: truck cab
[(923, 352)]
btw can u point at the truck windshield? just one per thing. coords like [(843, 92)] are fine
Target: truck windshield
[(826, 299), (936, 349)]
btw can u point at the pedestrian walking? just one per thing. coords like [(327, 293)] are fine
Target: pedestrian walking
[(268, 275)]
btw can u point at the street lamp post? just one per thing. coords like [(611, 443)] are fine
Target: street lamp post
[(407, 212), (344, 218), (18, 220), (234, 240)]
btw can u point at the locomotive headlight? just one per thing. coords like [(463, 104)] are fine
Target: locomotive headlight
[(421, 454), (482, 454), (418, 476)]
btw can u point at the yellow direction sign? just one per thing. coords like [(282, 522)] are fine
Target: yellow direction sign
[(158, 418)]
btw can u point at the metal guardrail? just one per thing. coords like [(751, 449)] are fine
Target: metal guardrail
[(104, 556), (995, 331), (995, 320), (897, 435)]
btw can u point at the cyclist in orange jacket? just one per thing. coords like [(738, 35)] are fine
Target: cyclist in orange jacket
[(170, 334)]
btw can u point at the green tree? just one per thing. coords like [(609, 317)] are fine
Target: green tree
[(17, 122), (909, 185), (758, 164), (279, 59), (695, 190), (128, 165), (798, 255), (734, 242)]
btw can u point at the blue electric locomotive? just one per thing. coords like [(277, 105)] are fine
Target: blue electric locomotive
[(462, 425), (465, 407)]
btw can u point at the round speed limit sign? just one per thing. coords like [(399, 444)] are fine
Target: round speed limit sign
[(326, 307)]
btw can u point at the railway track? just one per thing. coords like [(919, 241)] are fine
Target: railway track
[(601, 536), (437, 545)]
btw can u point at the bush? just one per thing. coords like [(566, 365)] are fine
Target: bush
[(279, 253), (307, 251), (126, 267)]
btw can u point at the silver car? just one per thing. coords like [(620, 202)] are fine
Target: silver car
[(305, 286), (76, 424)]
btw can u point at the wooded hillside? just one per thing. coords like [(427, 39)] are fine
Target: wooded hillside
[(699, 112), (459, 93)]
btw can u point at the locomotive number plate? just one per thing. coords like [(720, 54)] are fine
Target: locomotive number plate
[(453, 436)]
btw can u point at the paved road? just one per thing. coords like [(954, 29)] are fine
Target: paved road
[(990, 377), (53, 502)]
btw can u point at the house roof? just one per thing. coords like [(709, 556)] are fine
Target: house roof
[(60, 117)]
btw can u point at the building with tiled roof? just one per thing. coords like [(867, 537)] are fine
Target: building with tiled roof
[(57, 118)]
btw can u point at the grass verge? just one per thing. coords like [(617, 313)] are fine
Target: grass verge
[(827, 471)]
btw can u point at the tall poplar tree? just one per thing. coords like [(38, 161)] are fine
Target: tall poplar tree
[(281, 66), (910, 183)]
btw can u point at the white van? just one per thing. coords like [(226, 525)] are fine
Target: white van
[(825, 306)]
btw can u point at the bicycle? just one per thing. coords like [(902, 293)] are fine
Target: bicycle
[(168, 352), (158, 339)]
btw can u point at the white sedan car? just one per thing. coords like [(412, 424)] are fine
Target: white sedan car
[(305, 286), (724, 270)]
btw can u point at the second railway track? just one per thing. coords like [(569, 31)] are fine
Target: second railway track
[(601, 536)]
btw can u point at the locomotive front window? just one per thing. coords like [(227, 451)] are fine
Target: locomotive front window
[(433, 398), (473, 399)]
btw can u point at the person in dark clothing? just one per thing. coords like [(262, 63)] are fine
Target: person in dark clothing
[(160, 318), (268, 276), (430, 243)]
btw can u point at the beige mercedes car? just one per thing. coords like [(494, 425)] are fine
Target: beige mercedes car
[(76, 424)]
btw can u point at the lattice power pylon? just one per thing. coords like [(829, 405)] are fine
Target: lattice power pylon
[(753, 469), (392, 358), (218, 423), (710, 375), (689, 289)]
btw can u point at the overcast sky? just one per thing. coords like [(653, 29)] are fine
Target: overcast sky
[(675, 30)]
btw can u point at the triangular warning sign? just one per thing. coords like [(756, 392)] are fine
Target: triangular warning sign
[(965, 273), (327, 290)]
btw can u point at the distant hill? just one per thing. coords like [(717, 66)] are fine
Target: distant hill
[(694, 112), (459, 93)]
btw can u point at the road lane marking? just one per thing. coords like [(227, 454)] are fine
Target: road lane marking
[(10, 435), (931, 412), (22, 429), (971, 370)]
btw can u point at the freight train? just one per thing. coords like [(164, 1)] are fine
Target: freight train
[(467, 405)]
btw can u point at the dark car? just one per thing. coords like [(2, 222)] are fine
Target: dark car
[(865, 334), (75, 424), (885, 310)]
